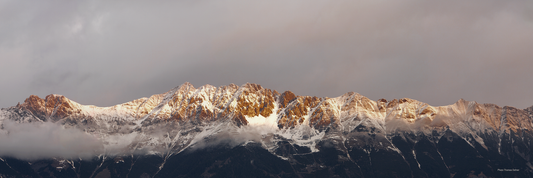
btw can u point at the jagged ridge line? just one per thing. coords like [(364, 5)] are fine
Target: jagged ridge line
[(184, 96), (159, 106), (235, 95)]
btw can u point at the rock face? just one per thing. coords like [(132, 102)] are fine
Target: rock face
[(258, 132)]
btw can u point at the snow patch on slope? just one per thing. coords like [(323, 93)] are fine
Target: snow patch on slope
[(262, 124)]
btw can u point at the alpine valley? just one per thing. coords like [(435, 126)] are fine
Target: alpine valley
[(251, 131)]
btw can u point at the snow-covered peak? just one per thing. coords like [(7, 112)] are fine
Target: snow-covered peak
[(208, 103)]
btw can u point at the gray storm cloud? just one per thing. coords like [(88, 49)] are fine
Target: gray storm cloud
[(32, 141), (105, 53)]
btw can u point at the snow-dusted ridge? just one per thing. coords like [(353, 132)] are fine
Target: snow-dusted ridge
[(186, 117)]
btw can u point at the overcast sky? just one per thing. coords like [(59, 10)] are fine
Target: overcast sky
[(109, 52)]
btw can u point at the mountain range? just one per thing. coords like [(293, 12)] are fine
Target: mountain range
[(251, 131)]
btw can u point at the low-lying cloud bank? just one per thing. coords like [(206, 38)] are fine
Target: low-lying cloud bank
[(44, 140), (32, 141)]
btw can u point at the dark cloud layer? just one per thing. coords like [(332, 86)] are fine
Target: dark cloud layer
[(104, 53)]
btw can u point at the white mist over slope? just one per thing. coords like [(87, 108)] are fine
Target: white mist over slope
[(46, 140)]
